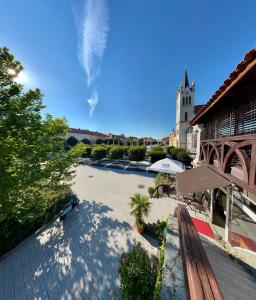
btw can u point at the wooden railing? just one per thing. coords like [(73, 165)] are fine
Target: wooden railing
[(233, 157)]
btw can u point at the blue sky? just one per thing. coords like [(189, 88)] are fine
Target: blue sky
[(127, 57)]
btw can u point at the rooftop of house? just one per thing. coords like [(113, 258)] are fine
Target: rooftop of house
[(239, 73), (88, 132)]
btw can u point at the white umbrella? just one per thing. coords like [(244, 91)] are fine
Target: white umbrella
[(167, 165)]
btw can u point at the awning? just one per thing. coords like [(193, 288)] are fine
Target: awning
[(199, 179)]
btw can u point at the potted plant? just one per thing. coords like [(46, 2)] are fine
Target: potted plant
[(151, 191), (140, 208)]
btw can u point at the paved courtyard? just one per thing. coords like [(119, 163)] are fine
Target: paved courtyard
[(79, 258)]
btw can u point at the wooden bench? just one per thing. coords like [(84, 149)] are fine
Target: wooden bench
[(74, 202), (200, 280)]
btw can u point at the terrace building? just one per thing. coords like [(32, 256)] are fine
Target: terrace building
[(81, 134), (226, 148)]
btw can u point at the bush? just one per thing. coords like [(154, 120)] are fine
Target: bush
[(159, 228), (180, 154), (86, 141), (87, 153), (157, 149), (137, 153), (137, 275), (156, 154), (72, 141), (126, 149), (99, 152), (101, 141), (12, 231), (157, 290), (163, 178), (116, 152), (151, 191)]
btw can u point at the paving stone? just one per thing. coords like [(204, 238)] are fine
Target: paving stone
[(79, 258)]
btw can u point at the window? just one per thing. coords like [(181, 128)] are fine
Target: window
[(183, 100), (186, 116), (186, 100), (189, 100)]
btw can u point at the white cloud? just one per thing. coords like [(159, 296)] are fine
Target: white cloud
[(91, 19), (93, 101), (93, 39)]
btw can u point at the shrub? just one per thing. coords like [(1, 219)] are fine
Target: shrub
[(151, 191), (157, 149), (157, 290), (137, 153), (116, 152), (126, 149), (72, 141), (179, 154), (87, 153), (159, 228), (155, 156), (86, 141), (137, 275), (12, 231), (101, 141), (156, 153), (99, 152)]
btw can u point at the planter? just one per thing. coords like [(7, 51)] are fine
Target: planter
[(140, 228)]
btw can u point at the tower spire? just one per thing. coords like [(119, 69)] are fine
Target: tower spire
[(185, 82)]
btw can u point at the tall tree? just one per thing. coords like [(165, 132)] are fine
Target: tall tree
[(32, 156)]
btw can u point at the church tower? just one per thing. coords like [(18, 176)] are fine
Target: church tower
[(184, 110)]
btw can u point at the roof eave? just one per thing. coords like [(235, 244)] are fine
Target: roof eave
[(210, 104)]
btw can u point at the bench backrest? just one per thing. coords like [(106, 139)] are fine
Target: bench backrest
[(199, 276)]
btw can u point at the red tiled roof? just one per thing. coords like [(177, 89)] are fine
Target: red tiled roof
[(197, 108), (85, 131), (242, 68)]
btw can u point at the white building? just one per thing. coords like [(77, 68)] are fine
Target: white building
[(184, 111), (81, 134)]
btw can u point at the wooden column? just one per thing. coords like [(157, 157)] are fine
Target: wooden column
[(228, 212), (211, 205)]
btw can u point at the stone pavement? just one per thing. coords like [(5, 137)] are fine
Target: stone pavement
[(79, 258)]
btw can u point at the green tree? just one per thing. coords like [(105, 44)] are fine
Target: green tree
[(33, 162), (72, 141), (86, 141)]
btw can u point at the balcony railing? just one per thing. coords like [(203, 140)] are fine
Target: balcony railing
[(234, 157)]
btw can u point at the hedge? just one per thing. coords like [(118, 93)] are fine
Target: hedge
[(12, 232), (87, 153), (137, 153), (116, 152), (180, 154), (99, 152), (155, 156)]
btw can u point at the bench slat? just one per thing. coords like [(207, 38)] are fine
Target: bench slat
[(190, 269), (207, 266), (198, 258), (200, 279)]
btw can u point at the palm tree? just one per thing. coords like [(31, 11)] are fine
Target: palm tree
[(141, 207)]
